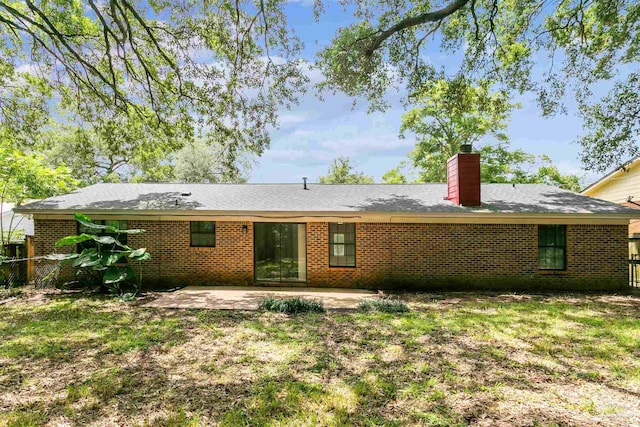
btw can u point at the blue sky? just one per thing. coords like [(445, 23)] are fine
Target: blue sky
[(314, 133)]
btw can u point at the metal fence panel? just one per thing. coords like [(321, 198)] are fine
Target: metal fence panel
[(634, 270), (15, 272)]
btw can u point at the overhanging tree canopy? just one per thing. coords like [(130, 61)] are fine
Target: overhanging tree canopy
[(221, 66), (549, 48)]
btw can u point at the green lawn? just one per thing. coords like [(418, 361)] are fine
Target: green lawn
[(454, 360)]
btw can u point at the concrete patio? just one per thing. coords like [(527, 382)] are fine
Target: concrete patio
[(247, 298)]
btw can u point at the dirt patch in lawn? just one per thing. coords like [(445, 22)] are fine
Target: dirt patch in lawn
[(455, 359)]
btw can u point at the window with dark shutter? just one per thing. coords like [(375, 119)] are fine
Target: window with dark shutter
[(342, 244), (203, 234), (552, 247)]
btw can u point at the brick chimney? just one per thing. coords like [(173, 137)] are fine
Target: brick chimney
[(463, 177)]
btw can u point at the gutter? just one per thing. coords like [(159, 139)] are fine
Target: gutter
[(347, 216)]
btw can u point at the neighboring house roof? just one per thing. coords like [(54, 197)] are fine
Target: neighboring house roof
[(6, 207), (18, 222), (237, 198), (619, 170)]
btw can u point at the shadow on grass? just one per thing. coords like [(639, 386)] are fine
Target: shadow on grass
[(442, 364), (65, 328)]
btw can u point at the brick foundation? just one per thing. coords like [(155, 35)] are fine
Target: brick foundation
[(388, 255)]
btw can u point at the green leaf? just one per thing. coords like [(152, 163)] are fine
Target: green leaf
[(105, 240), (140, 254), (137, 252), (86, 261), (145, 256), (132, 231), (88, 258), (86, 222), (73, 240), (128, 296), (115, 275), (61, 257), (112, 258), (82, 218)]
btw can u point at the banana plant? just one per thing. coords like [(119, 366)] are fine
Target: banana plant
[(106, 262)]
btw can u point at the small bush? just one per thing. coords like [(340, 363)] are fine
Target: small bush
[(383, 305), (10, 292), (291, 305)]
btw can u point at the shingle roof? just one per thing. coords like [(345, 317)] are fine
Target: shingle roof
[(407, 198), (17, 222)]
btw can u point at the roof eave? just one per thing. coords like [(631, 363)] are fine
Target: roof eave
[(619, 169), (354, 215)]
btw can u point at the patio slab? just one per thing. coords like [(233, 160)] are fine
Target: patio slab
[(247, 298)]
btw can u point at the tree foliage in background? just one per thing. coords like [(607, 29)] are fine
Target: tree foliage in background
[(498, 164), (23, 173), (23, 106), (550, 49), (342, 171), (111, 148), (452, 113), (27, 176), (117, 149), (395, 175), (448, 114), (199, 162), (222, 68)]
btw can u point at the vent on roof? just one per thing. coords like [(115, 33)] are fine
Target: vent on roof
[(304, 182), (186, 194)]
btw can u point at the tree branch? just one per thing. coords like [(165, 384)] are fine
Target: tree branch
[(413, 21), (56, 35)]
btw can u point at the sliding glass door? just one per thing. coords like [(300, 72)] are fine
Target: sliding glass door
[(280, 252)]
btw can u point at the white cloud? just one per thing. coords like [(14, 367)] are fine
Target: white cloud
[(302, 2), (290, 119), (283, 154), (313, 73), (318, 131), (366, 143), (201, 55), (569, 167), (299, 156), (301, 133), (28, 68), (275, 59)]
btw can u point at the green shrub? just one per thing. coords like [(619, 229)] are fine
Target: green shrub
[(104, 261), (10, 292), (291, 305), (383, 305)]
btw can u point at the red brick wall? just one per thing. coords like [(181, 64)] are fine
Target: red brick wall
[(486, 255), (373, 261), (48, 232), (387, 255), (174, 261)]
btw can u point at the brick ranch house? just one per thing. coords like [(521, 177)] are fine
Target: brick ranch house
[(419, 236)]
